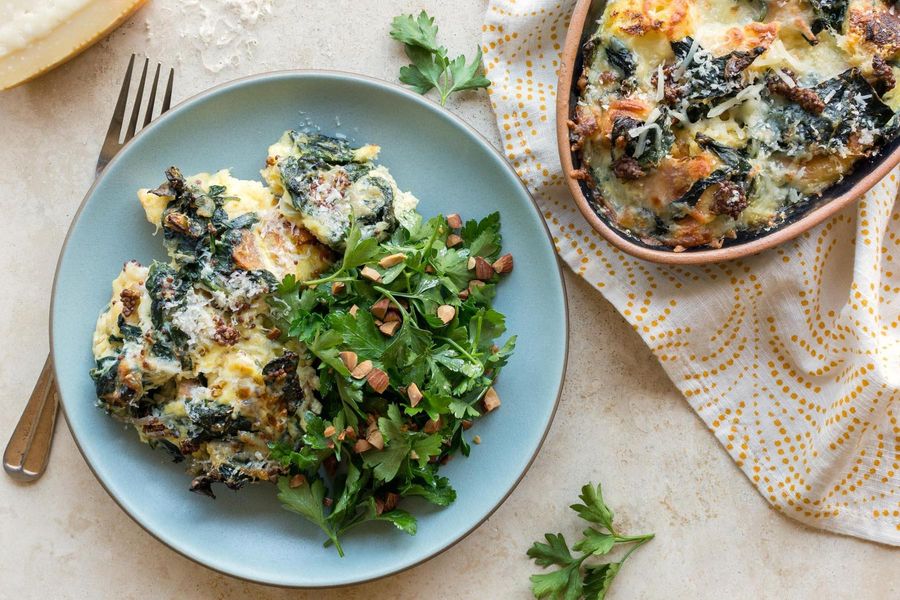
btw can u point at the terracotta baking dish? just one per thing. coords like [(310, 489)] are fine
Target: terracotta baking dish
[(866, 174)]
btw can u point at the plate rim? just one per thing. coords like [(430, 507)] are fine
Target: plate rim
[(185, 104)]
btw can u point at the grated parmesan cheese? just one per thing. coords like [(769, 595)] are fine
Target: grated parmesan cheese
[(687, 59), (660, 83), (744, 94), (785, 78)]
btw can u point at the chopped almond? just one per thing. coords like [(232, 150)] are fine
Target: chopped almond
[(432, 426), (476, 439), (445, 313), (349, 433), (350, 359), (378, 380), (389, 328), (338, 287), (483, 269), (491, 400), (471, 263), (463, 294), (361, 446), (362, 370), (380, 308), (414, 394), (353, 310), (453, 240), (391, 260), (376, 439), (370, 274), (466, 424), (454, 221), (297, 481), (475, 283), (504, 264), (391, 501), (429, 269), (329, 431), (392, 315)]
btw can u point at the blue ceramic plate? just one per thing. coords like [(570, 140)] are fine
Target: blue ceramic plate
[(430, 152)]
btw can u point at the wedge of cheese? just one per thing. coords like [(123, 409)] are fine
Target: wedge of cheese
[(37, 36)]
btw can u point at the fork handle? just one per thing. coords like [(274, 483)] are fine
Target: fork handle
[(28, 450)]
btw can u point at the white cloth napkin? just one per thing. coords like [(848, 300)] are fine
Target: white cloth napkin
[(792, 357)]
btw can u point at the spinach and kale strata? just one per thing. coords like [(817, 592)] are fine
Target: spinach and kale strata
[(186, 351), (699, 120)]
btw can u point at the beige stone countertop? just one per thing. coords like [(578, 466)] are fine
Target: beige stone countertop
[(620, 421)]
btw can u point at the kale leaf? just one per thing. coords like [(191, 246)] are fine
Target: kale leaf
[(706, 77), (852, 109), (829, 13)]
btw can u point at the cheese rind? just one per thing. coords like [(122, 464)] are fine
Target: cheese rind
[(29, 49)]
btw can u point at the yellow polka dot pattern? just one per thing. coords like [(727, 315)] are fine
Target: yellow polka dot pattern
[(792, 357)]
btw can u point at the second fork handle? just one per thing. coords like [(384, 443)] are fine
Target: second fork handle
[(26, 455)]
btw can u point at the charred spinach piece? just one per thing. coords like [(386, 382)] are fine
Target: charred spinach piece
[(321, 149), (734, 158), (658, 140), (313, 154), (281, 379), (680, 207), (707, 77), (198, 233), (735, 170), (829, 13), (129, 332), (211, 420), (166, 289), (852, 107), (620, 57), (106, 379)]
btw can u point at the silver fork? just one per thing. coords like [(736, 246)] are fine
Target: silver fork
[(28, 450)]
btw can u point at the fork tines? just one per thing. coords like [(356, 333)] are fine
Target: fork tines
[(117, 135)]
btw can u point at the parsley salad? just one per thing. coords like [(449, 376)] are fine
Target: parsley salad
[(407, 348)]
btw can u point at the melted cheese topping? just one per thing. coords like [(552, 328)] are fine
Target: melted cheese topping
[(744, 79), (227, 341)]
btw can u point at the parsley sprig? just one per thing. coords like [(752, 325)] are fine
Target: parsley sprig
[(370, 447), (431, 66), (574, 578)]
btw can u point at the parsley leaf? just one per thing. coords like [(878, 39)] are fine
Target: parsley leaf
[(598, 579), (483, 237), (554, 552), (594, 509), (419, 32), (574, 579), (307, 499), (431, 66)]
